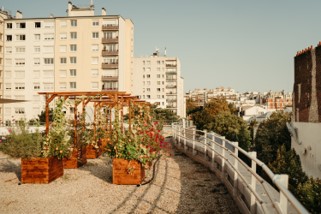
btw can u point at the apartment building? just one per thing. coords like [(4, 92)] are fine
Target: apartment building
[(78, 52), (157, 79), (306, 121)]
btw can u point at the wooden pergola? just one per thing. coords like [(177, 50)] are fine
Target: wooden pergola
[(110, 99)]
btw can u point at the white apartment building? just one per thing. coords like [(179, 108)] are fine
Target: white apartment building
[(78, 52), (157, 79)]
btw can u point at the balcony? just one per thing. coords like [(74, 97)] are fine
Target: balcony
[(171, 86), (171, 80), (109, 78), (109, 89), (171, 65), (110, 27), (109, 53), (109, 65), (109, 40)]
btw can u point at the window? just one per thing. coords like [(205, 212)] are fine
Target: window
[(95, 23), (36, 49), (148, 89), (37, 24), (19, 86), (73, 22), (73, 35), (63, 48), (94, 85), (19, 110), (94, 73), (73, 60), (72, 85), (95, 47), (62, 86), (148, 75), (48, 61), (36, 74), (8, 86), (36, 61), (94, 60), (49, 36), (7, 74), (148, 96), (63, 24), (48, 49), (19, 74), (48, 86), (158, 89), (21, 25), (95, 35), (63, 60), (36, 86), (37, 37), (20, 49), (9, 25), (8, 61), (158, 82), (63, 73), (20, 61), (73, 47), (63, 36), (73, 72), (8, 50), (48, 73), (21, 37), (9, 38)]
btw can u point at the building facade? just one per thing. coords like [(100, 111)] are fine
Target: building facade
[(306, 122), (157, 79), (78, 52)]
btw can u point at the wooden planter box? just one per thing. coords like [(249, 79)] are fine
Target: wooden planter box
[(91, 152), (76, 160), (127, 172), (41, 170), (102, 145)]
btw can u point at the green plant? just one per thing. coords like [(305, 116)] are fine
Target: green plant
[(57, 142), (142, 142), (21, 143)]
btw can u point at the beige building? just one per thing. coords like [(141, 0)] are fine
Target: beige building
[(157, 79), (78, 52)]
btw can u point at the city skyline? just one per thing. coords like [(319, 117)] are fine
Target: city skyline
[(248, 46)]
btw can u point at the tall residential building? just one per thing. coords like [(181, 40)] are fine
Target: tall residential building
[(157, 79), (306, 122), (78, 52)]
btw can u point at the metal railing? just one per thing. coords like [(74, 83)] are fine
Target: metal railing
[(249, 190)]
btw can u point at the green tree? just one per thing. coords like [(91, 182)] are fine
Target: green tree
[(271, 134), (232, 127), (42, 116), (309, 193)]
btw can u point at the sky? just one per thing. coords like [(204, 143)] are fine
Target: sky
[(248, 45)]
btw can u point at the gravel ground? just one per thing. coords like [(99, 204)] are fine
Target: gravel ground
[(180, 186)]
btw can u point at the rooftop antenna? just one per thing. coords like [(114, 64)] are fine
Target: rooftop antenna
[(165, 52)]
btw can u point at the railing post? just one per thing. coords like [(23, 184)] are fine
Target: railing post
[(205, 143), (253, 182), (179, 135), (223, 155), (236, 163), (284, 181), (213, 150), (194, 137), (184, 134)]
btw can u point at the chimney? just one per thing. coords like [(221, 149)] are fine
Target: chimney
[(18, 14), (103, 11)]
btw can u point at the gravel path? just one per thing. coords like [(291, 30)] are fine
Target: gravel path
[(180, 186)]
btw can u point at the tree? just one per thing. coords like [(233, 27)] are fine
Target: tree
[(165, 115), (232, 127), (271, 134), (309, 194), (42, 116)]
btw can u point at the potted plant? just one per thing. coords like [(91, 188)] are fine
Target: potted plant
[(134, 149)]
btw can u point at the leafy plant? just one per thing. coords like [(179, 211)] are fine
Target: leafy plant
[(21, 143)]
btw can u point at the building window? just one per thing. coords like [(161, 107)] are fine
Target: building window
[(36, 74), (73, 22), (20, 61), (94, 73), (72, 85), (73, 60), (148, 96), (63, 36), (21, 25), (20, 49), (95, 35), (73, 35), (9, 25), (158, 89), (48, 61), (63, 48), (19, 110), (94, 85), (49, 36), (62, 86), (94, 60), (148, 75), (37, 24), (95, 23), (19, 86), (36, 49), (48, 73), (158, 82), (63, 24), (19, 74), (158, 75), (63, 73), (37, 37), (8, 50), (9, 38), (36, 61), (148, 89), (73, 47), (95, 47), (8, 86), (73, 72), (63, 60), (48, 86), (36, 86), (21, 37)]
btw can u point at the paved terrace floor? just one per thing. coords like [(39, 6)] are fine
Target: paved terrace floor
[(180, 186)]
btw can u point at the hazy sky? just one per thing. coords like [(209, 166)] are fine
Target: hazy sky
[(248, 45)]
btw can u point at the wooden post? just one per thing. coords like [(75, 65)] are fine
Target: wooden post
[(47, 114)]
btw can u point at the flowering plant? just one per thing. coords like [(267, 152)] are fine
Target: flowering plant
[(142, 142)]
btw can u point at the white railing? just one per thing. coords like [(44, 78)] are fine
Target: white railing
[(249, 190)]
